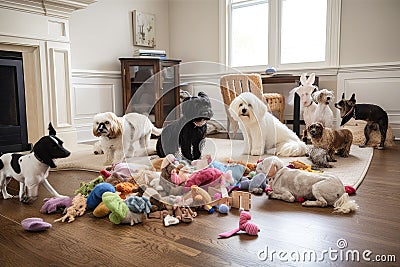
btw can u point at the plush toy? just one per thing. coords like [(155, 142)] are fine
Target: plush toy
[(77, 208), (255, 185), (203, 162), (101, 210), (119, 172), (35, 224), (200, 196), (203, 177), (169, 164), (301, 166), (151, 178), (244, 225), (237, 170), (86, 188), (126, 189), (119, 209), (250, 167), (95, 195), (138, 204), (55, 204)]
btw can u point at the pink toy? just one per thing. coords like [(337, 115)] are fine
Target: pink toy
[(202, 177), (244, 225)]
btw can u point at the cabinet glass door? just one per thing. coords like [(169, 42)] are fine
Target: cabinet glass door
[(170, 105), (142, 91)]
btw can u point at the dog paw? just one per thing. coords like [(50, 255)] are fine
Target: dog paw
[(7, 196), (380, 147), (362, 146)]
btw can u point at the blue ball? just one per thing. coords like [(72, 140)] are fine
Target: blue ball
[(223, 209)]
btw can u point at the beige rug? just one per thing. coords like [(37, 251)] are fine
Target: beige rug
[(350, 170)]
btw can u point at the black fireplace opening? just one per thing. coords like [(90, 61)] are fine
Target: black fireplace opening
[(13, 124)]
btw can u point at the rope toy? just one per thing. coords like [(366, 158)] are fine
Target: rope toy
[(244, 225)]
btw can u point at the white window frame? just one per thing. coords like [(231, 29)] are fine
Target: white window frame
[(274, 30)]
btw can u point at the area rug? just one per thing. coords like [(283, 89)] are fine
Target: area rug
[(350, 170)]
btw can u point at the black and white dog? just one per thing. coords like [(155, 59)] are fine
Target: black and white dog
[(188, 132), (374, 115), (32, 169)]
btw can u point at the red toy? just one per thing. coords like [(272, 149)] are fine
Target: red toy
[(244, 225)]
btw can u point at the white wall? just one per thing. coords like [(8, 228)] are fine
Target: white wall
[(100, 35)]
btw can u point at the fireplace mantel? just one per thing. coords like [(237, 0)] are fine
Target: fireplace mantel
[(53, 8), (39, 29)]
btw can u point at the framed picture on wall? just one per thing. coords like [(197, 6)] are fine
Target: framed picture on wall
[(143, 29)]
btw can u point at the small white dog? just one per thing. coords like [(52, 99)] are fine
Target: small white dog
[(318, 189), (323, 113), (305, 90), (32, 169), (263, 132), (118, 134)]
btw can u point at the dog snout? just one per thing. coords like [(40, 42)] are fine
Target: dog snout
[(101, 128), (244, 110)]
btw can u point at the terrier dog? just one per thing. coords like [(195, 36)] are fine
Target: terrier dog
[(374, 116), (332, 141), (323, 112), (188, 132), (32, 169)]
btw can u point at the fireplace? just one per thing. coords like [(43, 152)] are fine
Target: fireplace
[(13, 123)]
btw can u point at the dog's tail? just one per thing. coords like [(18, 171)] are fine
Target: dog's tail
[(156, 131), (292, 148), (344, 204)]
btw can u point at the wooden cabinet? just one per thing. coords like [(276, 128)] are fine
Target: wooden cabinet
[(151, 87)]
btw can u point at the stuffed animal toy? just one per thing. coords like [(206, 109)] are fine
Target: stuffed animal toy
[(94, 198), (244, 225), (203, 177), (199, 195), (255, 185), (86, 188), (101, 210), (138, 204), (237, 170), (126, 189), (202, 163), (169, 164), (301, 166), (120, 212), (151, 178), (250, 167), (118, 173), (55, 204), (77, 208), (35, 224)]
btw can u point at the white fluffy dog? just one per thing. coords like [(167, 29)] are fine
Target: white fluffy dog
[(318, 189), (305, 90), (323, 113), (263, 132), (118, 134)]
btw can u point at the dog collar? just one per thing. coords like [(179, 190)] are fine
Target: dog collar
[(39, 159), (350, 111)]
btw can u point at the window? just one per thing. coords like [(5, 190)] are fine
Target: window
[(287, 34)]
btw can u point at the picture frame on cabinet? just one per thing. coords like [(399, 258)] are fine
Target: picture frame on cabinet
[(143, 29)]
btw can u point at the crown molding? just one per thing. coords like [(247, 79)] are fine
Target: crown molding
[(53, 8)]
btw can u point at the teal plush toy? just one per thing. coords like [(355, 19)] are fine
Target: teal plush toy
[(86, 188)]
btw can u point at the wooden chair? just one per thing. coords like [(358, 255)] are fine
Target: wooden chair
[(232, 85)]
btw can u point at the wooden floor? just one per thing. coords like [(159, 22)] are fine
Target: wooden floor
[(287, 231)]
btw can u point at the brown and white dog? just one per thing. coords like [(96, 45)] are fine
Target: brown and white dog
[(332, 141), (118, 134)]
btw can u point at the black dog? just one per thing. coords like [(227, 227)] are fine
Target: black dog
[(189, 131), (374, 116), (32, 169)]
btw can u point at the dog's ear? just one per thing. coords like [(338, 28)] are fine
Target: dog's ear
[(116, 127), (353, 98), (202, 94), (52, 131), (303, 78), (311, 79), (95, 132), (343, 96)]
